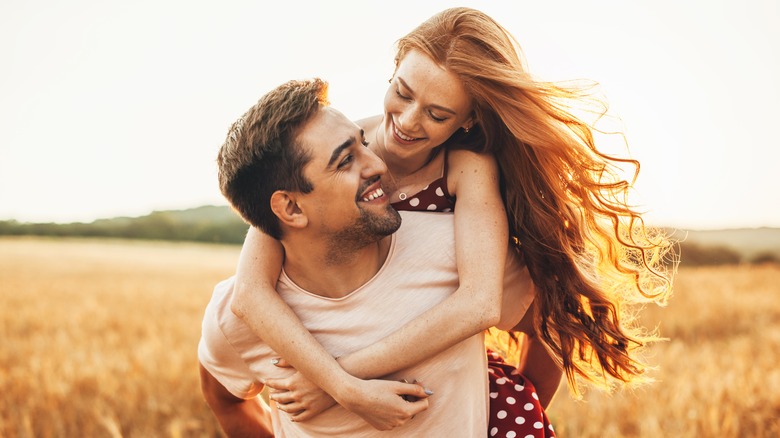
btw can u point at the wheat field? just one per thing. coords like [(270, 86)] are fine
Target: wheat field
[(99, 339)]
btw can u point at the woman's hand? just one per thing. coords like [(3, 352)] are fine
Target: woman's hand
[(383, 404), (297, 396), (386, 404)]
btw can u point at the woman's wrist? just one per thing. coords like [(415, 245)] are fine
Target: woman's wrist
[(346, 390)]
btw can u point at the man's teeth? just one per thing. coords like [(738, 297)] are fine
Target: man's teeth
[(403, 137), (373, 195)]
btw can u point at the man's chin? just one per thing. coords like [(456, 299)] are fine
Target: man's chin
[(387, 222)]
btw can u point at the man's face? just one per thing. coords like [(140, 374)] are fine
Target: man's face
[(348, 205)]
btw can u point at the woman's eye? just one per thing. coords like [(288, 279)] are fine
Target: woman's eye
[(365, 143), (437, 119), (398, 92)]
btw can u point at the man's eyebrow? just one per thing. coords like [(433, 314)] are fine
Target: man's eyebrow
[(438, 107), (337, 152)]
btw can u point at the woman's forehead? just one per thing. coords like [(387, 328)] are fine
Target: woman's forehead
[(432, 82)]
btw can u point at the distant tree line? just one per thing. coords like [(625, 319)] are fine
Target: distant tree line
[(219, 224), (161, 225), (694, 254)]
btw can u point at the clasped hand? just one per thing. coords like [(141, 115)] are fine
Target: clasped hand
[(384, 404)]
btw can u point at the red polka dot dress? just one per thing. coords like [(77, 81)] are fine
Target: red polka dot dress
[(515, 411)]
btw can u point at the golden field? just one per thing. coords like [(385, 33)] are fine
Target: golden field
[(99, 339)]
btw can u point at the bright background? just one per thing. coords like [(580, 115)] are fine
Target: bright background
[(112, 108)]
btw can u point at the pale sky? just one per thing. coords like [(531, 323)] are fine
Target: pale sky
[(112, 108)]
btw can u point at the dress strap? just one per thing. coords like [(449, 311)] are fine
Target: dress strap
[(445, 185)]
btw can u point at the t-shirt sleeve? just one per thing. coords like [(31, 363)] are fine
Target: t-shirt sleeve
[(219, 358)]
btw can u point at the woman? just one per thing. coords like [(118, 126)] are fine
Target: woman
[(461, 107)]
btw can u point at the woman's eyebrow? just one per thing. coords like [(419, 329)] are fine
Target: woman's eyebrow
[(433, 105)]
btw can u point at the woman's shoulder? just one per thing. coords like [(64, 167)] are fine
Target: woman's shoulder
[(463, 161), (369, 123), (470, 171)]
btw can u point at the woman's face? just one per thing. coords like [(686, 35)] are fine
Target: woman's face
[(424, 106)]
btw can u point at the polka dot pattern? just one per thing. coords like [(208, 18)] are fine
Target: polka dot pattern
[(433, 197), (514, 405)]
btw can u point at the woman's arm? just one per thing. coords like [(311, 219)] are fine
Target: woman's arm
[(481, 241), (256, 301)]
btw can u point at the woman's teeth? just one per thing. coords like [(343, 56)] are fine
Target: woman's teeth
[(402, 136)]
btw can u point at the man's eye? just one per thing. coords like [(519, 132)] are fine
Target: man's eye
[(348, 159)]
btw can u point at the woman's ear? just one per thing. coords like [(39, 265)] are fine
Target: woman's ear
[(469, 123), (285, 207)]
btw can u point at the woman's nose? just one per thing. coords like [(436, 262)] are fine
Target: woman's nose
[(407, 120)]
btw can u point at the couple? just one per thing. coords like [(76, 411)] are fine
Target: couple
[(346, 275), (459, 86)]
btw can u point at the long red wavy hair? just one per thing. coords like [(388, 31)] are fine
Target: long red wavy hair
[(588, 251)]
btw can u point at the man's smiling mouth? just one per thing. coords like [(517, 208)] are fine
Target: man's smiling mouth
[(374, 195)]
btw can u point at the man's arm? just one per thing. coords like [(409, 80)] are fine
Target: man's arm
[(236, 416)]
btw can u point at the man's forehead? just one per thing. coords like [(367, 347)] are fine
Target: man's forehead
[(326, 131)]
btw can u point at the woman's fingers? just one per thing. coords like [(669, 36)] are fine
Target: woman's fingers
[(291, 408), (280, 362), (278, 384), (304, 415), (418, 406), (413, 391), (284, 397)]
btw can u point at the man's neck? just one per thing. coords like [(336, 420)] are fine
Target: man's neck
[(317, 271)]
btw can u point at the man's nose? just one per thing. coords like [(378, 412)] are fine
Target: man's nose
[(374, 165)]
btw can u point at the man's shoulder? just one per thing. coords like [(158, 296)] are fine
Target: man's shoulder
[(218, 308), (420, 222), (220, 321), (221, 296), (426, 234)]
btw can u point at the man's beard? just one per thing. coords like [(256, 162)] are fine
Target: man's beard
[(368, 228)]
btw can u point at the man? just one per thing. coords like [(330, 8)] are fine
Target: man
[(343, 274)]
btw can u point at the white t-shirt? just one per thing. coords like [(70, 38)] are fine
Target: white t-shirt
[(420, 271)]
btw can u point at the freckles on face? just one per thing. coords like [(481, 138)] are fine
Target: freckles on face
[(427, 93)]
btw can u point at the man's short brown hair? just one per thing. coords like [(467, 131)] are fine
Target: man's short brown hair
[(261, 155)]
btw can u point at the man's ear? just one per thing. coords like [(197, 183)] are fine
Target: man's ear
[(285, 206)]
